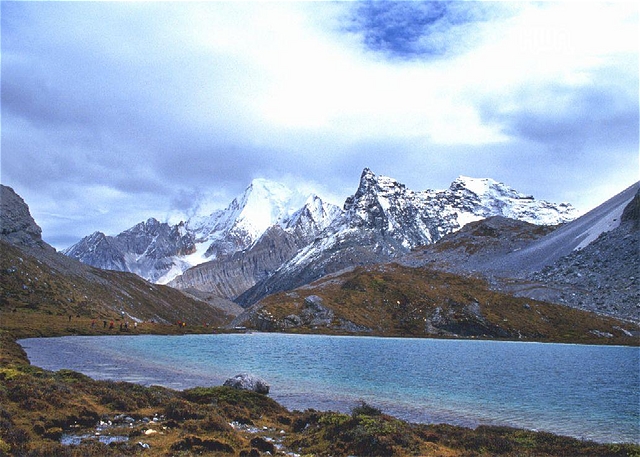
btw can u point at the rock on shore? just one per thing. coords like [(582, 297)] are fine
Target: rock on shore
[(245, 381)]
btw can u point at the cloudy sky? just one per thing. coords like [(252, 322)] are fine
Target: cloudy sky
[(113, 112)]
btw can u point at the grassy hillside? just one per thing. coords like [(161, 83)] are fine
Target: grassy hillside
[(394, 300), (48, 294)]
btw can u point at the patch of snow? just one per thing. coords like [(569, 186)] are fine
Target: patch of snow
[(605, 224), (179, 266), (478, 186), (464, 218)]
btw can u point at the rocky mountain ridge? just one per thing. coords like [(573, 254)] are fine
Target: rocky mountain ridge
[(148, 249), (591, 263), (384, 220), (262, 243), (158, 251)]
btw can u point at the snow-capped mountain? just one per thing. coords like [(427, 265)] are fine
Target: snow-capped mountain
[(148, 249), (231, 274), (263, 204), (384, 220), (416, 218), (159, 252), (272, 238)]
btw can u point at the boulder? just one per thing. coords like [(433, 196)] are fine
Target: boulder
[(245, 381), (315, 313)]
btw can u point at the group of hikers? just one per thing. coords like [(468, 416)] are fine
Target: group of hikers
[(124, 326)]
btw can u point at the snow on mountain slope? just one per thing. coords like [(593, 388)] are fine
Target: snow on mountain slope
[(415, 218), (263, 204), (492, 198), (384, 219), (159, 252), (148, 249), (573, 236), (230, 275), (315, 216)]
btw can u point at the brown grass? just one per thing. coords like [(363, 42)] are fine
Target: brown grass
[(37, 296), (393, 300)]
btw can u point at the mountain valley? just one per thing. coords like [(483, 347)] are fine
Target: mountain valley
[(470, 261)]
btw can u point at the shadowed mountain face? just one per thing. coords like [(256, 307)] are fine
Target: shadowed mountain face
[(231, 275), (17, 226), (34, 277)]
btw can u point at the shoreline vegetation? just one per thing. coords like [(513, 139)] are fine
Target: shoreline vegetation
[(66, 413), (29, 324)]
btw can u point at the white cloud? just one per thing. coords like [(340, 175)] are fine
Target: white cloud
[(139, 107)]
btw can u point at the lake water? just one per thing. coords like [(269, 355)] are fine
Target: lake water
[(590, 392)]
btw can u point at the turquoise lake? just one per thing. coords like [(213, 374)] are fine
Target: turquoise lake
[(590, 392)]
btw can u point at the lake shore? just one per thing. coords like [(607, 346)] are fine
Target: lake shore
[(37, 324), (40, 407)]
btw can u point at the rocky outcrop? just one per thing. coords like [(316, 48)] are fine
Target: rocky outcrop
[(17, 224), (246, 381), (311, 314), (314, 313)]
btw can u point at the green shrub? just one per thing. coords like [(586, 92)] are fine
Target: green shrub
[(365, 409)]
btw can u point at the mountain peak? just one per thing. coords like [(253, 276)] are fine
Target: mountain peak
[(262, 186), (263, 204), (485, 187), (372, 188), (367, 174), (369, 179)]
